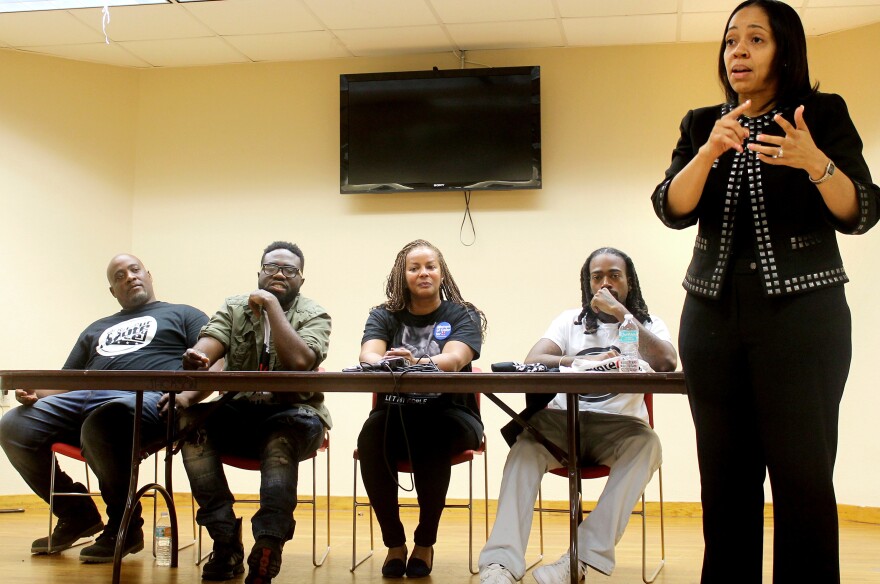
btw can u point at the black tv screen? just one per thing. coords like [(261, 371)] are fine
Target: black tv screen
[(462, 129)]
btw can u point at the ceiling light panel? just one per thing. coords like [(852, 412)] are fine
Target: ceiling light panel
[(35, 5)]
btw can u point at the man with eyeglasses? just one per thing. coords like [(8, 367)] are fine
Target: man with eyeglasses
[(145, 334), (273, 328)]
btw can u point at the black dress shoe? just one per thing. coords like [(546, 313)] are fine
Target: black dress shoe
[(417, 568), (394, 567)]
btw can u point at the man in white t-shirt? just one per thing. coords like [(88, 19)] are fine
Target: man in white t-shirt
[(614, 427)]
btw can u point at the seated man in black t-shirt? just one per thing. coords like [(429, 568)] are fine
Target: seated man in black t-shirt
[(145, 334)]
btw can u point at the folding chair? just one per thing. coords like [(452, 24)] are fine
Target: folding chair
[(404, 466), (74, 452), (254, 464)]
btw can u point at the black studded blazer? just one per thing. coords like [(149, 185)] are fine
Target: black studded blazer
[(795, 244)]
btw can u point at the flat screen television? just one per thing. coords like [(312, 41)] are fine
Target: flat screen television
[(441, 130)]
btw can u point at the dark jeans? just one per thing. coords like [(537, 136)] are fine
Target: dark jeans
[(101, 423), (433, 437), (765, 377), (279, 435)]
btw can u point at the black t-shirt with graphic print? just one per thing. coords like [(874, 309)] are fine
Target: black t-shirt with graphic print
[(153, 336), (426, 335)]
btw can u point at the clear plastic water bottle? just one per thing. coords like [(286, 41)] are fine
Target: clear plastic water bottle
[(163, 540), (628, 337)]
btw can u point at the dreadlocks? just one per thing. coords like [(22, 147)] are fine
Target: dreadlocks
[(634, 301), (398, 293)]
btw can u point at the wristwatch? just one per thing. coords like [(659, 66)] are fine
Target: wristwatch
[(829, 170)]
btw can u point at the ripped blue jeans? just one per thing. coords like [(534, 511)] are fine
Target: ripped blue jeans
[(279, 435)]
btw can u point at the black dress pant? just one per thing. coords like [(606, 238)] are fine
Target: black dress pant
[(765, 377), (427, 436)]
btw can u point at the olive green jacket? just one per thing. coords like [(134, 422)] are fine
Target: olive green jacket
[(241, 333)]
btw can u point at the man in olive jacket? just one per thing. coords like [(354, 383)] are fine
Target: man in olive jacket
[(273, 328)]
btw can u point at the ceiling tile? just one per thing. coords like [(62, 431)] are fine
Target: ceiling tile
[(246, 17), (366, 13), (395, 41), (841, 3), (725, 6), (54, 27), (111, 54), (457, 11), (507, 35), (139, 23), (825, 20), (620, 30), (32, 5), (586, 8), (700, 27), (233, 31), (185, 52), (289, 46)]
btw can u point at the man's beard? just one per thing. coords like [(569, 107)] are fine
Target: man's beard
[(286, 298), (601, 316), (138, 298)]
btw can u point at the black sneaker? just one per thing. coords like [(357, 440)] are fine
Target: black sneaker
[(67, 532), (264, 562), (101, 552), (224, 563), (227, 559)]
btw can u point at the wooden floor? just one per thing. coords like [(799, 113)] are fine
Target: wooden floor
[(860, 554)]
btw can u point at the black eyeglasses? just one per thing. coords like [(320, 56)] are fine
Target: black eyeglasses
[(288, 271)]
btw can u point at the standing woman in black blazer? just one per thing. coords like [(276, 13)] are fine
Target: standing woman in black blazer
[(765, 330)]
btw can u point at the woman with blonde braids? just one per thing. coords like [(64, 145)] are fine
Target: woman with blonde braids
[(425, 320)]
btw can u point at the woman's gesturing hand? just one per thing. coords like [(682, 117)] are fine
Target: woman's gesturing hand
[(727, 133), (796, 148)]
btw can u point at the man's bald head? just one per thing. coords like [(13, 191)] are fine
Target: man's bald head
[(130, 282)]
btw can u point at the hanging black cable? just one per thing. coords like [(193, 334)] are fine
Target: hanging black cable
[(467, 217)]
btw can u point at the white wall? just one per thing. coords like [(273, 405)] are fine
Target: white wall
[(223, 160)]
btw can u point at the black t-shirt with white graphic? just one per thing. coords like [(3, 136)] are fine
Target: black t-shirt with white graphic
[(152, 336), (426, 335)]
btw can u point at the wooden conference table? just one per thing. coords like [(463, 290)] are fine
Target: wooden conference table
[(345, 382)]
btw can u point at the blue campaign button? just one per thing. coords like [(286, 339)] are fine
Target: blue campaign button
[(442, 330)]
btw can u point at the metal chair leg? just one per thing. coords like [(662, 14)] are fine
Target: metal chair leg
[(540, 510), (314, 503), (53, 494), (354, 512), (645, 578)]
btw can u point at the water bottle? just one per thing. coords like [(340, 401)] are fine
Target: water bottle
[(163, 540), (628, 337)]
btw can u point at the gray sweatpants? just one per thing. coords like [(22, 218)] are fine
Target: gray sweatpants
[(626, 444)]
